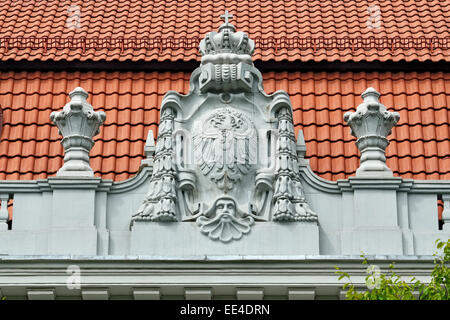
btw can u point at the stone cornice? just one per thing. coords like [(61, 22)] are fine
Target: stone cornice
[(94, 265), (427, 186), (73, 183), (238, 259), (405, 185), (382, 183), (370, 183), (22, 186), (122, 276)]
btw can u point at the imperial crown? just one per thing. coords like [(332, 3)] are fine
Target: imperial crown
[(227, 40)]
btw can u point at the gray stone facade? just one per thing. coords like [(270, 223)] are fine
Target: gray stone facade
[(227, 180)]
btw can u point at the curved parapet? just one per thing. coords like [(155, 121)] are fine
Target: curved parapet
[(132, 183), (317, 182)]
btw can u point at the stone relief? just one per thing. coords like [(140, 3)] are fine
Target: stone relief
[(224, 221), (159, 204), (225, 147), (226, 155), (290, 203)]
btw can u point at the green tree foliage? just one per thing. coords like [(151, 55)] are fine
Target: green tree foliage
[(391, 287)]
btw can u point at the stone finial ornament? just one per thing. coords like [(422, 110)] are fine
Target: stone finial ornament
[(226, 59), (226, 156), (78, 124), (371, 124)]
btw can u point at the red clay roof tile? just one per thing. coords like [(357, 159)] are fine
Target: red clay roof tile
[(30, 145), (194, 18)]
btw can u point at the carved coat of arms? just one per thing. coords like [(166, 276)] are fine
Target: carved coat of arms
[(225, 147), (226, 154)]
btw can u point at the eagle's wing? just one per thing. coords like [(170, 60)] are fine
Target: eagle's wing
[(246, 150), (206, 147), (230, 151), (241, 149), (252, 147)]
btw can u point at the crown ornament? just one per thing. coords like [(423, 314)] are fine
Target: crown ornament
[(227, 40), (227, 64)]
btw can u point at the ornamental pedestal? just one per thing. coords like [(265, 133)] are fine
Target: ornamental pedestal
[(375, 227), (73, 227)]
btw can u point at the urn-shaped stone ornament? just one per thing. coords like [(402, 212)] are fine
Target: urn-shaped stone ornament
[(371, 124), (78, 123)]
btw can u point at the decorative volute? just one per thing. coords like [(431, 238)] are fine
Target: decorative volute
[(226, 156), (371, 124), (78, 124)]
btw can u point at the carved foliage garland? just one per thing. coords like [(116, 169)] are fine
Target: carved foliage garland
[(159, 204), (289, 201)]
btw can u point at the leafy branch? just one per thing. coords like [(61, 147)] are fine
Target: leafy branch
[(390, 286)]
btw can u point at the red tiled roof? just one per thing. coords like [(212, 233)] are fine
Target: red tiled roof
[(194, 18), (30, 145)]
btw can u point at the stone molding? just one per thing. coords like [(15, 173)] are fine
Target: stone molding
[(143, 277), (308, 176)]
